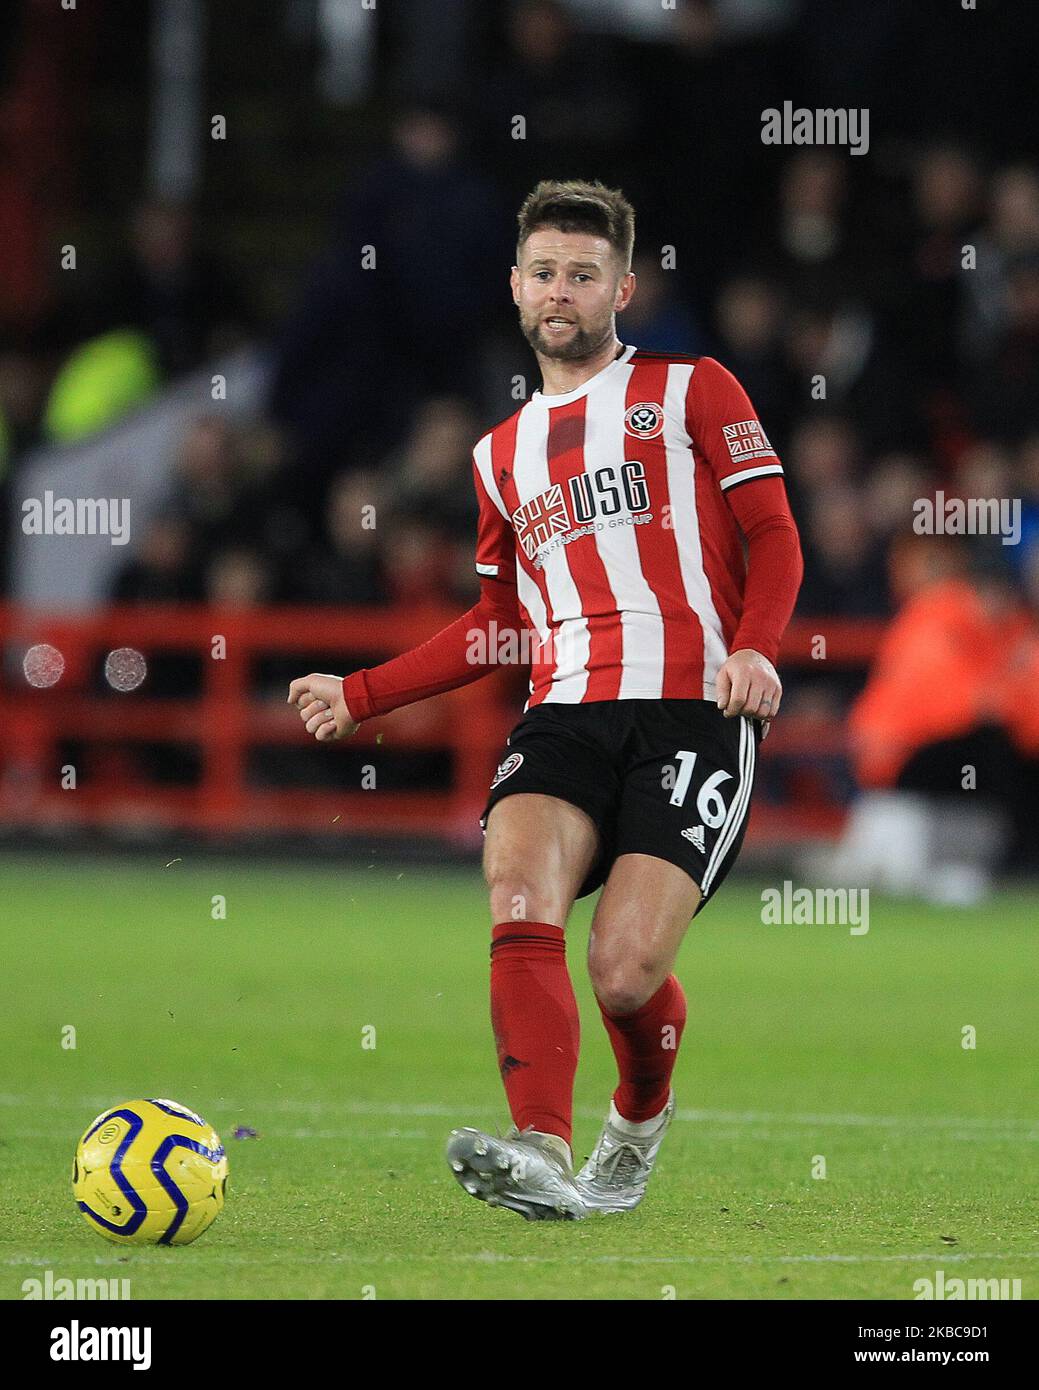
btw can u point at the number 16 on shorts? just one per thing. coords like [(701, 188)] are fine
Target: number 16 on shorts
[(709, 804)]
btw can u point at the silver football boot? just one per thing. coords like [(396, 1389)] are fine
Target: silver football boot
[(615, 1175), (525, 1172)]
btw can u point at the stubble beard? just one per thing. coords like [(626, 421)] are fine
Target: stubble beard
[(583, 342)]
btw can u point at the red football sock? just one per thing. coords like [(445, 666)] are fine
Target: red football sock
[(645, 1044), (537, 1029)]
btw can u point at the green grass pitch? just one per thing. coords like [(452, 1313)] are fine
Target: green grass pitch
[(803, 1042)]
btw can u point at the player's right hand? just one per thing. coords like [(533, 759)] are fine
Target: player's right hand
[(322, 707)]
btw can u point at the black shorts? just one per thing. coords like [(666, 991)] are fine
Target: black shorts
[(669, 778)]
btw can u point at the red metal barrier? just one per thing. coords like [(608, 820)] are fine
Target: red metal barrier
[(225, 722)]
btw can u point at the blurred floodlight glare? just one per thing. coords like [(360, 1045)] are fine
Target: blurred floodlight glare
[(125, 668), (43, 665)]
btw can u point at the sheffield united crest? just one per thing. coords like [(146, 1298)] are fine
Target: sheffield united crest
[(644, 421)]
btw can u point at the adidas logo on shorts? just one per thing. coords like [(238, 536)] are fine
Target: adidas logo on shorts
[(695, 834)]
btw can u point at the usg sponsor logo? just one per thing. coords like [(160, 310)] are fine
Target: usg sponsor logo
[(587, 502)]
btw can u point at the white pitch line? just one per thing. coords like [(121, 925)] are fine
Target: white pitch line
[(331, 1135), (750, 1133), (938, 1258), (1029, 1128)]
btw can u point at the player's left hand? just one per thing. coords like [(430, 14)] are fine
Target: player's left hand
[(748, 684)]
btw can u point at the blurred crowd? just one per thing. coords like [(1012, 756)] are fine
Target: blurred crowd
[(882, 312), (906, 282)]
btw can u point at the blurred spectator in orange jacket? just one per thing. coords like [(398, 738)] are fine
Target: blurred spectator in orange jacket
[(946, 667), (1023, 677), (950, 704)]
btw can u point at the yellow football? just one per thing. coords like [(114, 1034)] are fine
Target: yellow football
[(150, 1172)]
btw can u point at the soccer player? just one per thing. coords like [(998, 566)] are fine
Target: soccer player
[(633, 517)]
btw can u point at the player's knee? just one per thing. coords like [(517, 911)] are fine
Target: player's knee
[(622, 987)]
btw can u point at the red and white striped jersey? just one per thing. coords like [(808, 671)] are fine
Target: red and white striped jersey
[(612, 506)]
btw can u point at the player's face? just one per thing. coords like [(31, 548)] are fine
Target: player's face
[(568, 286)]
